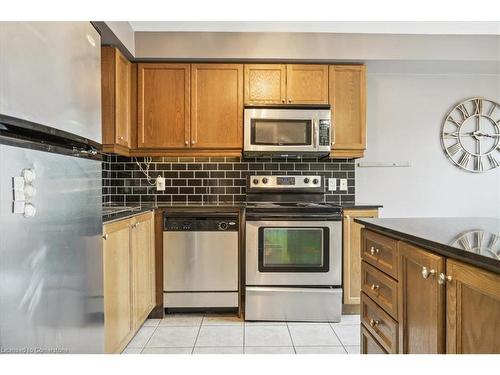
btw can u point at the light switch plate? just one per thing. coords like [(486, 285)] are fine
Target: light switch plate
[(343, 184), (332, 184), (160, 183)]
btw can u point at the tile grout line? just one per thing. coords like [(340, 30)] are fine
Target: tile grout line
[(198, 334), (338, 338), (147, 342), (291, 338)]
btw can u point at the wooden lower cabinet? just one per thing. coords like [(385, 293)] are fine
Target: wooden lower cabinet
[(473, 310), (352, 254), (443, 305), (143, 270), (421, 301), (129, 284), (118, 325), (369, 345)]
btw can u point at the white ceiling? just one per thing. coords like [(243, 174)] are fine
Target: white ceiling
[(340, 27)]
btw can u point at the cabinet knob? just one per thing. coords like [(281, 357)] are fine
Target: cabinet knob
[(289, 100), (121, 138), (106, 236), (427, 272), (374, 322), (374, 251), (283, 100), (443, 278), (186, 143), (193, 142), (375, 287)]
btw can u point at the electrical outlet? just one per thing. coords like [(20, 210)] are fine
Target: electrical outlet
[(160, 183), (332, 184), (343, 184)]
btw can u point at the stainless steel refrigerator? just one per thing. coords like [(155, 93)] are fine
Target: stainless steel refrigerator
[(51, 293)]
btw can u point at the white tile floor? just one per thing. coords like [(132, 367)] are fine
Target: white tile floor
[(226, 334)]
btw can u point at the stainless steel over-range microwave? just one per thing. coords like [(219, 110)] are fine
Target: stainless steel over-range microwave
[(287, 131)]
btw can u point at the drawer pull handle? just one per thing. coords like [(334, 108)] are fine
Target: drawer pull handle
[(374, 251), (375, 287), (374, 322), (427, 272), (443, 278)]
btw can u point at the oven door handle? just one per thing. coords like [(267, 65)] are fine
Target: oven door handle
[(252, 217), (315, 134)]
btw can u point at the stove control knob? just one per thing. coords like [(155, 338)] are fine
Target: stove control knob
[(306, 180), (265, 180), (315, 181), (255, 181), (222, 225)]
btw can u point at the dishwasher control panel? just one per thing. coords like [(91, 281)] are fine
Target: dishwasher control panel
[(200, 223)]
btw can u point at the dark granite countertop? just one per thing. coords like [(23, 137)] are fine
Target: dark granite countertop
[(472, 240), (119, 212)]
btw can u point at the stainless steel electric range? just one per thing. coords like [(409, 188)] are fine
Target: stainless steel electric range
[(293, 250)]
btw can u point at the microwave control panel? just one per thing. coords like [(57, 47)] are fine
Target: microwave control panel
[(324, 132)]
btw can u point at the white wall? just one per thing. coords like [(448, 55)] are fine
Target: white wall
[(404, 116)]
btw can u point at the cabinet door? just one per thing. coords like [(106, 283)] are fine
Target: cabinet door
[(143, 281), (473, 310), (421, 301), (116, 93), (217, 106), (118, 325), (307, 84), (123, 91), (368, 344), (163, 106), (265, 84), (352, 254), (348, 102)]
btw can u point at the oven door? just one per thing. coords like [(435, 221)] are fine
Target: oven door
[(280, 130), (293, 253)]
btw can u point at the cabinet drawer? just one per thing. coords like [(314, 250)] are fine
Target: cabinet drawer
[(383, 328), (381, 288), (368, 344), (381, 252)]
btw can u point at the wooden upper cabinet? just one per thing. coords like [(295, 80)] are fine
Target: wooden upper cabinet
[(217, 106), (163, 106), (421, 301), (348, 103), (307, 84), (265, 84), (116, 87), (473, 310)]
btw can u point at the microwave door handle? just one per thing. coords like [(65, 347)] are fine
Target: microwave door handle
[(315, 133)]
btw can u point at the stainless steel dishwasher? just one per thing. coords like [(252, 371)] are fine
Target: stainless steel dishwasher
[(200, 260)]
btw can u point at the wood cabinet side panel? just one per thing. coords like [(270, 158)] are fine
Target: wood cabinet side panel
[(108, 95), (352, 254)]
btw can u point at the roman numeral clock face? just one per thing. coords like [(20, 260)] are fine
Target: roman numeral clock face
[(470, 135)]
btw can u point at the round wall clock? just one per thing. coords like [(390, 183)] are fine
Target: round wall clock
[(470, 135)]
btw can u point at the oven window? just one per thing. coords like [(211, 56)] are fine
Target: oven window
[(281, 132), (287, 249)]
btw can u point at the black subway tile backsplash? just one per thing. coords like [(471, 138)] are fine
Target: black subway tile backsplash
[(211, 179)]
